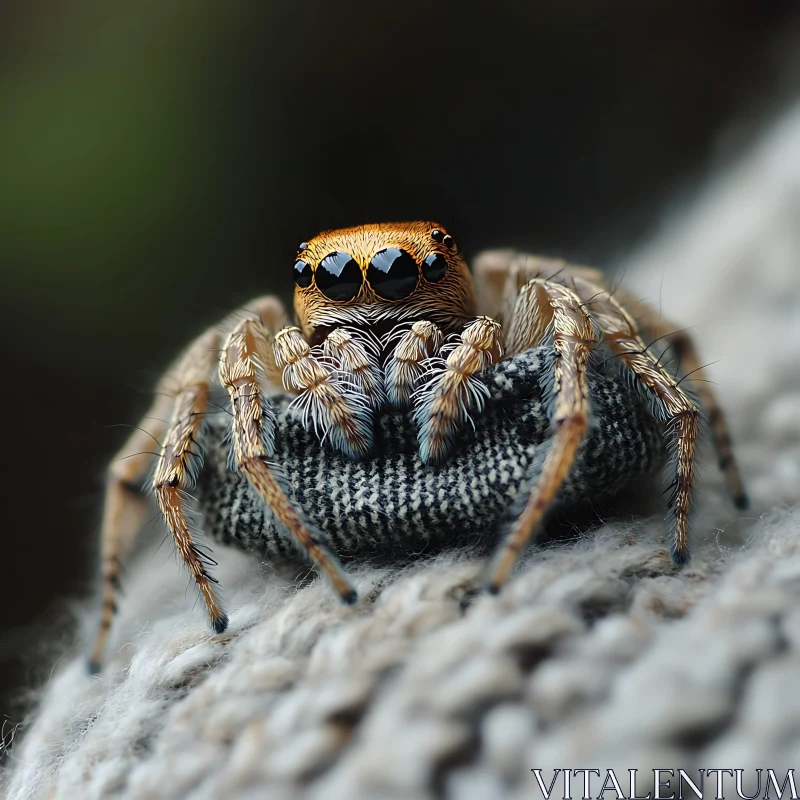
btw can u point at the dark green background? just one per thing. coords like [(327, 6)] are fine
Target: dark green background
[(159, 162)]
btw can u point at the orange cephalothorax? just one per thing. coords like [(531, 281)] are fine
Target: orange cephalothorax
[(403, 271)]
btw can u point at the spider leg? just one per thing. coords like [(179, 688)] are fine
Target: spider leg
[(657, 326), (338, 411), (405, 365), (541, 308), (181, 457), (499, 273), (272, 315), (123, 510), (176, 466), (453, 391), (175, 422), (242, 370), (672, 405)]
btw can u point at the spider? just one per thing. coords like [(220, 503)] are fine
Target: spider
[(394, 335)]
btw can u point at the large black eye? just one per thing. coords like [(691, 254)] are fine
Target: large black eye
[(393, 274), (303, 274), (434, 267), (339, 277)]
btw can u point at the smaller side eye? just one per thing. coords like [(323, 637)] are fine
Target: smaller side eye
[(302, 246), (434, 267), (303, 275), (437, 235), (449, 242)]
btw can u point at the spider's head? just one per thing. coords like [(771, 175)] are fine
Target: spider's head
[(378, 275)]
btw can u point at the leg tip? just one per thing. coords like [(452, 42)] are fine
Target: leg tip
[(220, 624), (742, 501), (93, 667), (679, 557), (350, 597), (493, 588)]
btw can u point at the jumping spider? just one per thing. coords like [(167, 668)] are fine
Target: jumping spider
[(388, 324)]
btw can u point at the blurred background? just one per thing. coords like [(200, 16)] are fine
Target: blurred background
[(160, 162)]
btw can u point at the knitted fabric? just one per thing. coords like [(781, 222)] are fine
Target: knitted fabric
[(598, 653), (392, 504)]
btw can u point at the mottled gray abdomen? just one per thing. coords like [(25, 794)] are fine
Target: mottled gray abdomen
[(392, 503)]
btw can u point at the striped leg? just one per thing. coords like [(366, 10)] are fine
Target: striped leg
[(243, 369), (684, 348), (500, 273), (182, 395), (175, 423), (540, 308), (672, 405), (124, 509), (180, 459)]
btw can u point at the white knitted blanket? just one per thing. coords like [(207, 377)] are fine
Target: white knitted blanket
[(597, 654)]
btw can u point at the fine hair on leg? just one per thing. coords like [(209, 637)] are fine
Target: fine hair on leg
[(548, 309), (242, 372)]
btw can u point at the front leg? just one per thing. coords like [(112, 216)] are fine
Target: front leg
[(244, 366), (453, 392), (543, 308)]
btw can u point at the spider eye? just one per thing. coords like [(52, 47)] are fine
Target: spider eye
[(434, 267), (303, 274), (437, 235), (393, 274), (449, 241), (339, 276)]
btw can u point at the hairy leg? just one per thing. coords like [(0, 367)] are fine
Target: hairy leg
[(172, 425), (499, 276), (124, 508), (242, 371), (661, 328), (272, 315), (181, 457), (493, 266), (671, 404), (543, 309), (337, 411), (453, 391)]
